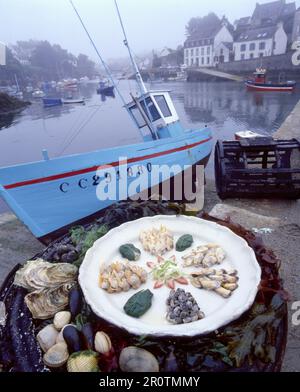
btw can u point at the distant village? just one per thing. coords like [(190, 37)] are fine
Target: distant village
[(212, 42)]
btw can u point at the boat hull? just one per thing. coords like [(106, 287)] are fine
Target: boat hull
[(52, 195), (49, 102), (252, 86)]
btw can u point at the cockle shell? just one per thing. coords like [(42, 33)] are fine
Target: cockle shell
[(135, 359), (61, 319), (157, 241), (56, 356), (39, 274), (47, 337), (102, 343), (83, 361), (46, 303)]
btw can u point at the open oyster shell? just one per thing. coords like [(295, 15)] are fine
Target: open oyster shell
[(44, 304), (39, 274)]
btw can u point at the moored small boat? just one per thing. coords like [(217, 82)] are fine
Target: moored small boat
[(38, 94), (105, 89), (260, 83), (246, 135)]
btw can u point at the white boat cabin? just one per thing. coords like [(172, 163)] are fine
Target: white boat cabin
[(155, 115)]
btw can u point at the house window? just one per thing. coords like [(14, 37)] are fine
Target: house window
[(274, 45), (252, 46), (202, 51), (202, 60), (251, 55), (197, 61), (208, 50), (262, 46), (261, 54), (192, 61), (243, 47), (221, 52), (197, 52), (192, 52), (242, 56), (207, 60)]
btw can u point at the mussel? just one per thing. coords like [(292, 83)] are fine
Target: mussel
[(75, 301), (88, 336), (72, 338)]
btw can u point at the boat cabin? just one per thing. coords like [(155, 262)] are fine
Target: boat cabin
[(260, 75), (155, 115)]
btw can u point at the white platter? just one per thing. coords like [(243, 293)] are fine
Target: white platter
[(218, 311)]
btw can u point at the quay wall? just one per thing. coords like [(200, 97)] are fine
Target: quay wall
[(274, 64)]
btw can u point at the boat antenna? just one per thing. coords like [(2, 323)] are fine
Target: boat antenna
[(105, 66), (138, 75)]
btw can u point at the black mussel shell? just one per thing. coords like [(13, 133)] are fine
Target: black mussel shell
[(72, 338)]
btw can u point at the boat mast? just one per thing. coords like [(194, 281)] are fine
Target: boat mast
[(139, 79), (138, 75)]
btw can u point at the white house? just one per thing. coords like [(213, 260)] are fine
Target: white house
[(260, 42), (2, 54), (203, 48)]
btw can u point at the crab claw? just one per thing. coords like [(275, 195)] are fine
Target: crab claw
[(158, 284), (150, 264), (171, 284), (182, 280)]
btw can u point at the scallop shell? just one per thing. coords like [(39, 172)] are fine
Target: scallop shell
[(47, 337), (39, 274), (56, 356), (135, 359), (46, 303)]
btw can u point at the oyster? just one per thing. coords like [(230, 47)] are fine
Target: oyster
[(157, 241), (121, 276), (44, 304), (39, 274)]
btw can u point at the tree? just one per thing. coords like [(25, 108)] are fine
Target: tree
[(85, 66), (208, 22)]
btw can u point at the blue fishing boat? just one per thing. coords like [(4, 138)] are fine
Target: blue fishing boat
[(49, 102), (51, 195)]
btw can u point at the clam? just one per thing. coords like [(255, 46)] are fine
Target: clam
[(44, 304), (61, 319), (56, 356), (204, 256), (83, 361), (47, 337), (102, 343), (39, 274), (135, 359)]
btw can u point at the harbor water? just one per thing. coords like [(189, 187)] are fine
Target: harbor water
[(225, 107)]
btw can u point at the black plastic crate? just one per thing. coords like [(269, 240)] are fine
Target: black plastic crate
[(258, 168)]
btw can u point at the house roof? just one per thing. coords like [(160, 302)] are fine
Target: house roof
[(246, 20), (257, 34), (273, 11)]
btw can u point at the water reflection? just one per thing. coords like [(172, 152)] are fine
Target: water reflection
[(218, 103)]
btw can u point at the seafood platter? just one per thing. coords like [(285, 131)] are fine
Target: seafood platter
[(170, 276), (135, 293)]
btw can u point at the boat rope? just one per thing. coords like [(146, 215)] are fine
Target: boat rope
[(83, 125), (105, 66)]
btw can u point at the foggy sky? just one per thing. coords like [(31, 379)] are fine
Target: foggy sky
[(150, 23)]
